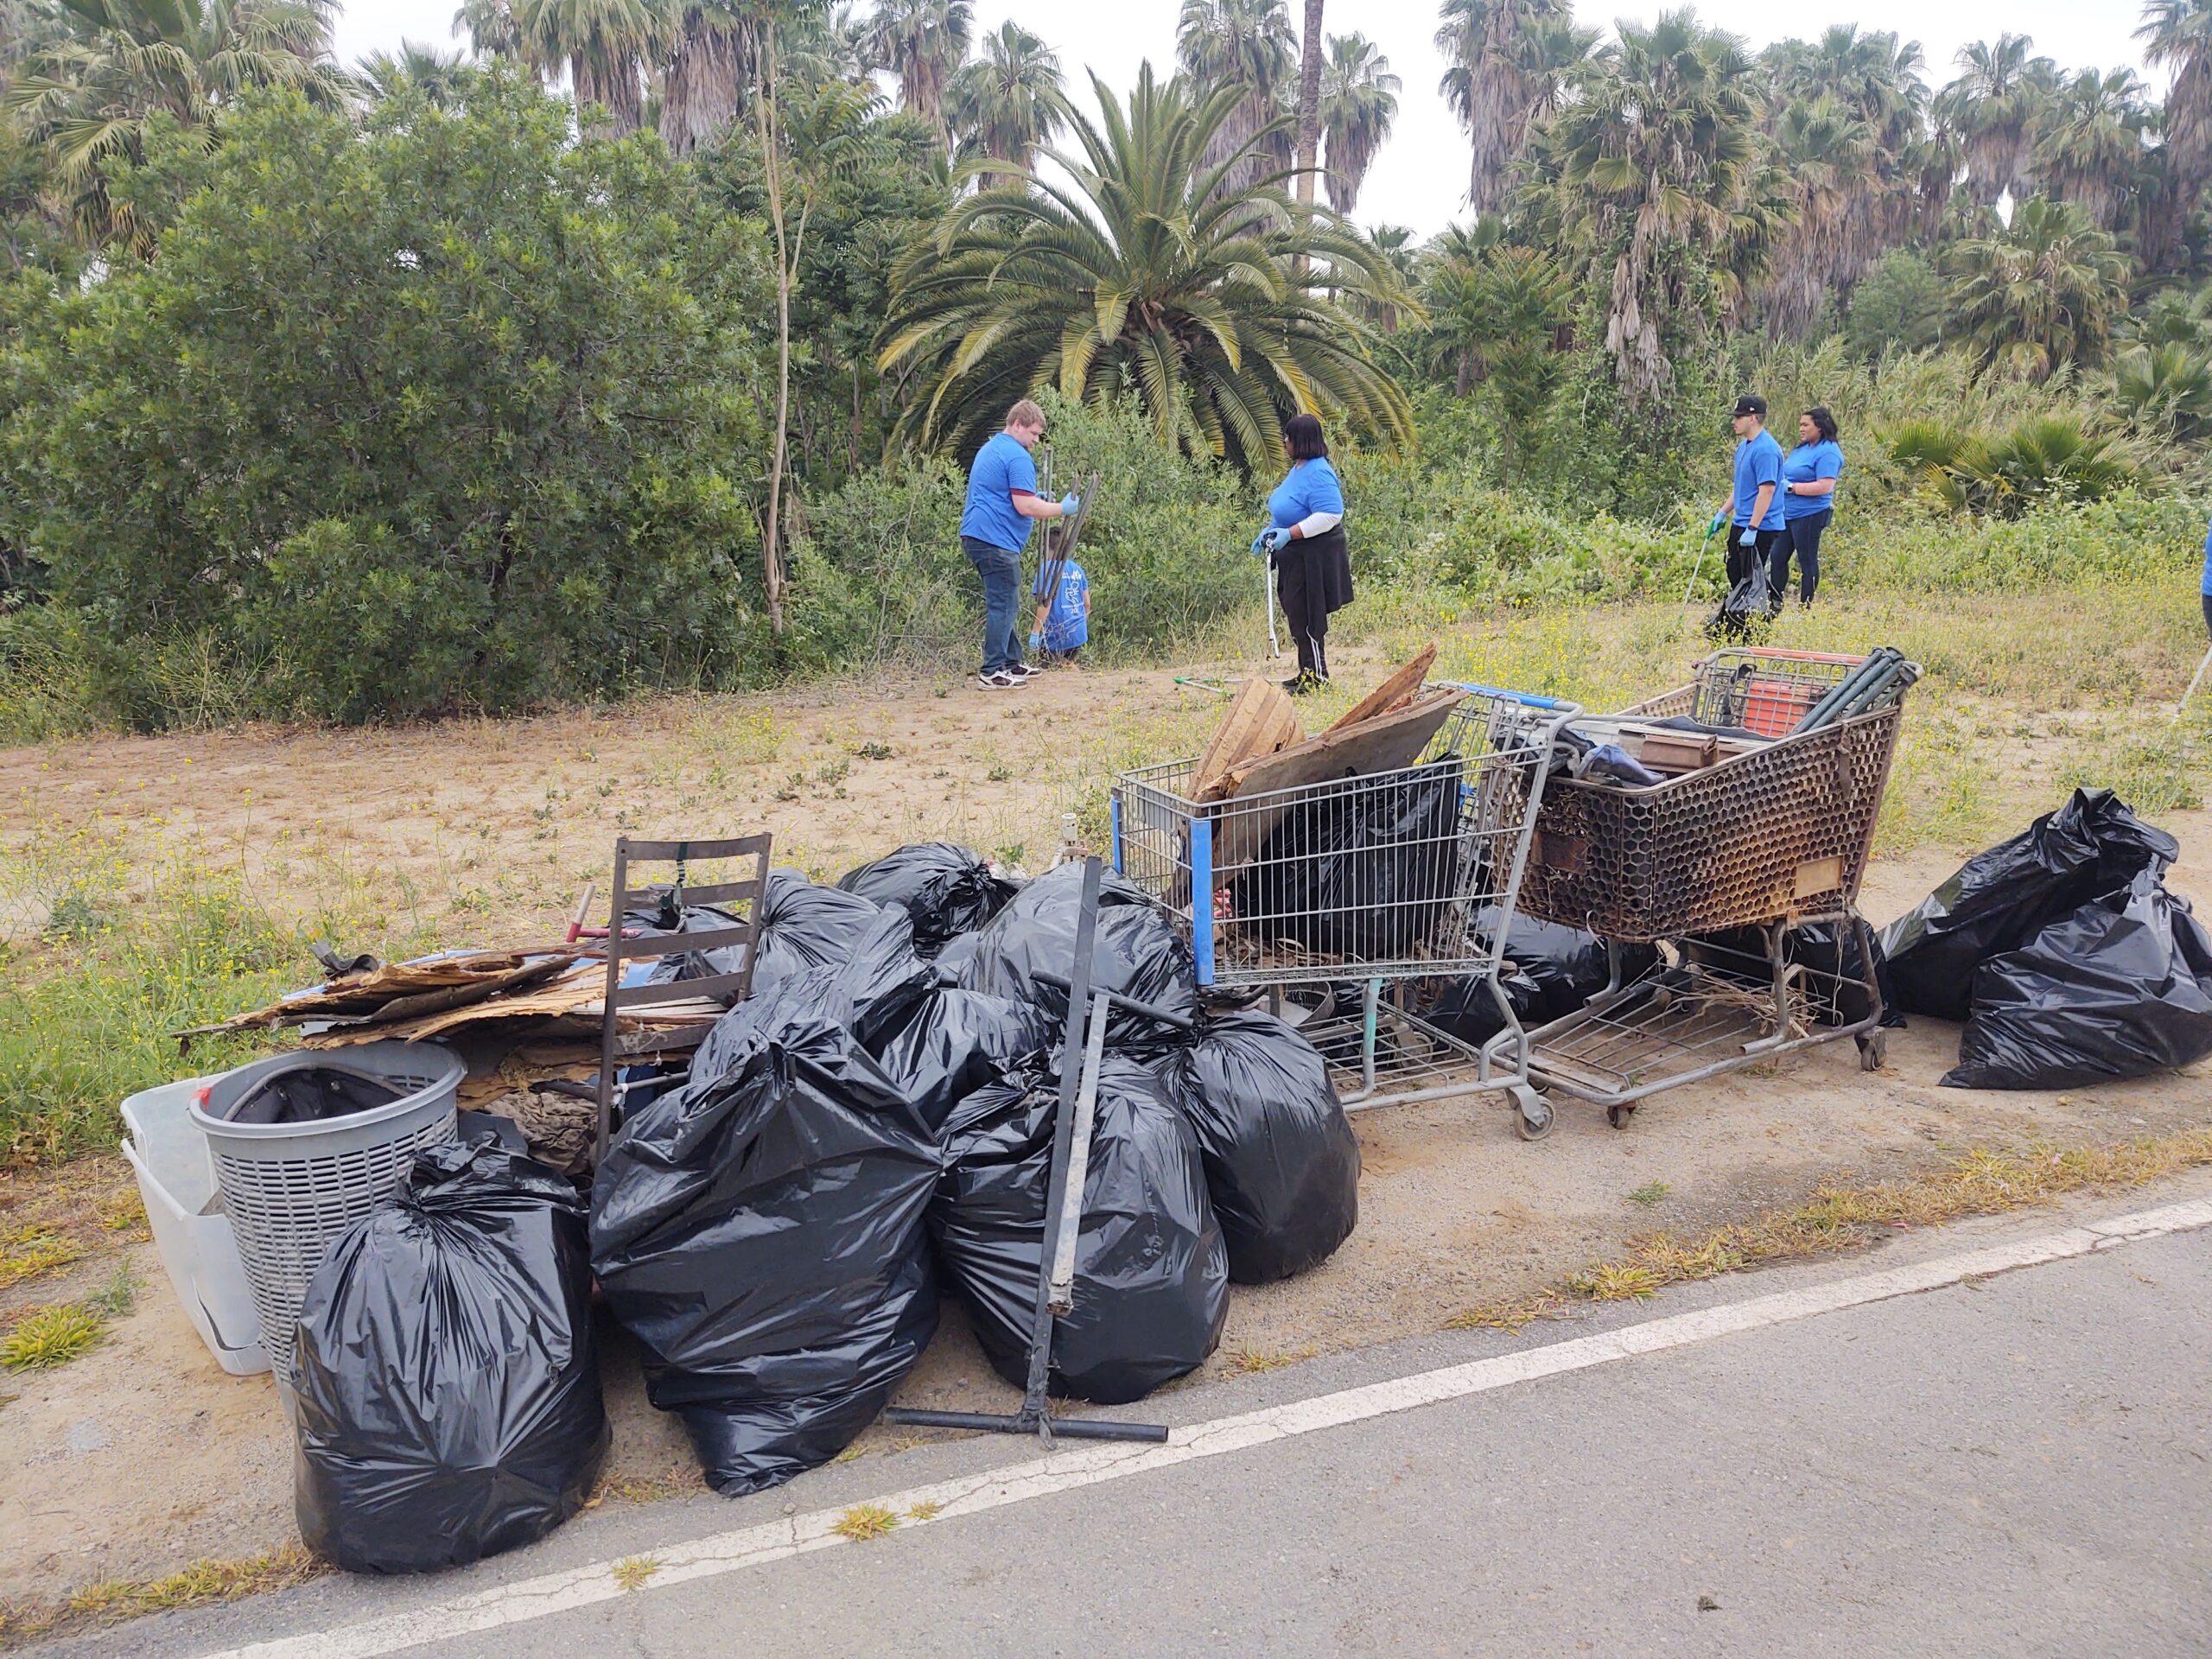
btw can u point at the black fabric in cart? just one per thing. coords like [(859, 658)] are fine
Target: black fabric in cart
[(760, 1232), (2121, 988), (2000, 899), (1365, 873), (1151, 1275), (446, 1381), (1281, 1163)]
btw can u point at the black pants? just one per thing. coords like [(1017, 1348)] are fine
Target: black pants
[(2207, 613), (1743, 559), (1304, 605), (1802, 538)]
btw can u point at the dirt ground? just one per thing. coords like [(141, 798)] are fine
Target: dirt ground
[(143, 1455)]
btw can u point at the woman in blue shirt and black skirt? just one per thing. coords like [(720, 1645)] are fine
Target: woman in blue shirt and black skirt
[(1306, 538), (1809, 479)]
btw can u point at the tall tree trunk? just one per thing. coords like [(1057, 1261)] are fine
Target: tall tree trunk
[(767, 123), (700, 100), (1309, 102)]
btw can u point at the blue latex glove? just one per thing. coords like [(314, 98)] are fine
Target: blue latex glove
[(1069, 504), (1749, 538), (1272, 539), (1262, 543), (1035, 639), (1719, 519)]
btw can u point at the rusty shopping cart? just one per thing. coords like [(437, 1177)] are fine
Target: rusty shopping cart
[(1743, 873), (1333, 897)]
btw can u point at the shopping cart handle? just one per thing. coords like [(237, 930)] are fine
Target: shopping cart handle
[(1528, 697), (1165, 1016)]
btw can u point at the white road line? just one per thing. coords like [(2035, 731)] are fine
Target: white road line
[(564, 1592)]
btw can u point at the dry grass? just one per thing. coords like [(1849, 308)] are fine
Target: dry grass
[(1250, 1362), (114, 1600), (32, 1252), (635, 1572), (1985, 1182), (925, 1510), (865, 1521)]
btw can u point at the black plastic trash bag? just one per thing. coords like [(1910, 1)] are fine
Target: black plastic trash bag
[(1364, 873), (2121, 988), (1833, 986), (447, 1381), (1750, 607), (1027, 951), (804, 926), (1567, 963), (954, 1041), (760, 1232), (945, 889), (1282, 1166), (2000, 899), (1465, 1009), (1152, 1278)]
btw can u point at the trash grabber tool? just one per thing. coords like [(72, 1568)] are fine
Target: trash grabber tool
[(2196, 681), (1697, 566)]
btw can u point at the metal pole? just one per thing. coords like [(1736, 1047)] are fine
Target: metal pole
[(1267, 598), (2193, 685), (1696, 566)]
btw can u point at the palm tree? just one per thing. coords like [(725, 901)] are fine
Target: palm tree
[(1359, 101), (1006, 103), (490, 25), (83, 97), (2042, 293), (2091, 147), (1658, 181), (604, 44), (2176, 35), (1140, 274), (2164, 388), (1509, 60), (1310, 52), (924, 42), (438, 76), (1875, 77), (1245, 44), (821, 45), (1498, 315), (704, 81), (1828, 157), (1993, 107)]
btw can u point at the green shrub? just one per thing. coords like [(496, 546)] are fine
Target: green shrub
[(448, 412)]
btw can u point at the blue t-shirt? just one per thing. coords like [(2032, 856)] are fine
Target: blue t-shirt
[(2208, 560), (1067, 625), (1001, 468), (1758, 460), (1311, 487), (1803, 465)]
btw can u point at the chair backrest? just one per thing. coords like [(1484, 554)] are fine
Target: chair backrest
[(737, 984)]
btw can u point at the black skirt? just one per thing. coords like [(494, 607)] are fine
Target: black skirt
[(1313, 578)]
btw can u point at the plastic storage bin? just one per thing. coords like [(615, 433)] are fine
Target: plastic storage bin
[(292, 1188), (176, 1179)]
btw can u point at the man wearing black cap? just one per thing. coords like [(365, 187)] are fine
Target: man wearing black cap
[(1753, 513)]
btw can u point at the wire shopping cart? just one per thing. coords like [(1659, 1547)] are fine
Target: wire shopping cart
[(1325, 894), (1744, 872)]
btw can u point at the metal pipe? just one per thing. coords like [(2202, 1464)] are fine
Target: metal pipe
[(1073, 1428)]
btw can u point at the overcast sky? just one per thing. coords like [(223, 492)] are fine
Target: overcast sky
[(1419, 179)]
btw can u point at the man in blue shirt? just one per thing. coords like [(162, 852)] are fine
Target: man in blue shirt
[(995, 527), (1753, 512)]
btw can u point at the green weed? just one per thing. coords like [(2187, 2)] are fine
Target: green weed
[(47, 1337)]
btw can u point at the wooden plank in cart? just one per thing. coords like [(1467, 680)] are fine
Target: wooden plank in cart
[(1262, 720)]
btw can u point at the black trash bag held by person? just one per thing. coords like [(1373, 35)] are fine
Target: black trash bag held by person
[(1282, 1165), (1364, 873), (2121, 988), (446, 1383), (760, 1232), (945, 889), (1151, 1274), (2003, 897), (1750, 606), (1025, 954)]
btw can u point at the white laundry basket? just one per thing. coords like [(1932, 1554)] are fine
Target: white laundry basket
[(292, 1188), (192, 1232)]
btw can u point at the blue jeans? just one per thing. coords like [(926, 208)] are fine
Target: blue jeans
[(1802, 538), (1001, 569)]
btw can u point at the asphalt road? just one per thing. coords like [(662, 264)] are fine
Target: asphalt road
[(2014, 1464)]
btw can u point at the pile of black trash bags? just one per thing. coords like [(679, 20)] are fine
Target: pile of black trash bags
[(2063, 952), (871, 1129)]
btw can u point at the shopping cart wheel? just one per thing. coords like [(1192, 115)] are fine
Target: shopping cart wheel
[(1873, 1049), (1532, 1117), (1618, 1115)]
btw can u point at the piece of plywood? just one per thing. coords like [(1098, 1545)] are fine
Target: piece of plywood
[(1262, 720), (1405, 683), (1243, 822)]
